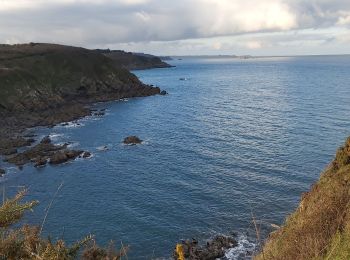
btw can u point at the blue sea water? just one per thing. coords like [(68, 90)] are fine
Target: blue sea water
[(232, 140)]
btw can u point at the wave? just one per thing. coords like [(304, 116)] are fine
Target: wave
[(55, 136), (73, 124), (244, 250), (102, 148)]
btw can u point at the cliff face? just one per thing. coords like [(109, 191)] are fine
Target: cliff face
[(47, 83), (320, 227)]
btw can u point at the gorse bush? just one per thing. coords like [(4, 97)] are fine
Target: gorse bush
[(12, 210), (25, 242)]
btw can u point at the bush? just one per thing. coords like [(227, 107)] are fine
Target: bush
[(25, 242)]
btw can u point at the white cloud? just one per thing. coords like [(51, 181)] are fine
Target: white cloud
[(98, 23), (344, 19), (232, 16), (254, 45), (217, 45)]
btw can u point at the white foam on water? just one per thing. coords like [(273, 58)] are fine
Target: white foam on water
[(55, 136), (73, 124), (81, 158), (73, 144), (102, 148), (132, 144), (244, 249)]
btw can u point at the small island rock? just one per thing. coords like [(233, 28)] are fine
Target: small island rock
[(132, 140)]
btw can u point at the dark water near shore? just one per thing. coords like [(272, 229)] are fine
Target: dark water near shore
[(236, 138)]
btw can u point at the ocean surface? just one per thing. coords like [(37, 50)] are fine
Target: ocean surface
[(234, 140)]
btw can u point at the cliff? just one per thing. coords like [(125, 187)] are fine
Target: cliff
[(320, 227), (43, 84)]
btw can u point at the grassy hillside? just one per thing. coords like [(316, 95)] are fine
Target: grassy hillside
[(33, 74), (45, 84), (320, 227)]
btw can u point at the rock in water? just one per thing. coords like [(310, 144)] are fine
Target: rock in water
[(213, 249), (58, 157), (46, 140), (64, 156), (41, 161), (86, 155), (72, 154), (132, 140), (2, 172), (163, 93)]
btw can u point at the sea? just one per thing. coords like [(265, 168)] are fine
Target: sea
[(229, 151)]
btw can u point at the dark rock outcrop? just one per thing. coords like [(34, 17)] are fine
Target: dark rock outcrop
[(64, 156), (86, 155), (163, 93), (8, 144), (213, 249), (58, 157), (46, 140), (132, 140), (41, 150), (40, 161), (2, 172), (8, 151)]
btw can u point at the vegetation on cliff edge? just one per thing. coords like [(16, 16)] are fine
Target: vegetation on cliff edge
[(320, 227), (25, 242)]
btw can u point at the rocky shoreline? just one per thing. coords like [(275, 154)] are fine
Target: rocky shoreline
[(13, 137), (47, 84), (213, 249)]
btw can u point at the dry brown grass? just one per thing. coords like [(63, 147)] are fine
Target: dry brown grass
[(320, 224)]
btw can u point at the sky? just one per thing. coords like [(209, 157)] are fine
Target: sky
[(183, 27)]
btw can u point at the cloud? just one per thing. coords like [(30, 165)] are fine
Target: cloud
[(98, 23), (253, 44), (344, 19)]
